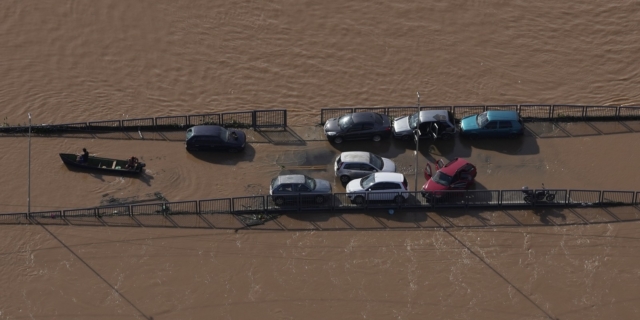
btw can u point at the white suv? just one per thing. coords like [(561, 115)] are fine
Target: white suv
[(377, 187)]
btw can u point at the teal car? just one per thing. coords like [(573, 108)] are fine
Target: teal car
[(495, 123)]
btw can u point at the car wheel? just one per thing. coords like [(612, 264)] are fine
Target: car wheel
[(279, 201), (377, 138), (337, 140), (345, 179), (320, 199), (550, 197), (358, 200), (399, 199), (446, 136)]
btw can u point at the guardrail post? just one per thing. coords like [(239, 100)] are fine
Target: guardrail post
[(253, 119), (285, 118)]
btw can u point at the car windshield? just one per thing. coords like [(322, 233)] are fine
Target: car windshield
[(310, 183), (224, 134), (367, 181), (413, 120), (442, 178), (345, 122), (376, 161), (482, 119)]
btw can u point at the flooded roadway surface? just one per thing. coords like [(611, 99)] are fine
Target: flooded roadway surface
[(579, 156), (80, 61), (558, 271)]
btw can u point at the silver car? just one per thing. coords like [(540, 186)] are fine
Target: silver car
[(432, 124), (291, 187), (357, 164)]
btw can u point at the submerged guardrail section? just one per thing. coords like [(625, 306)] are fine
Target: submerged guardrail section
[(341, 201)]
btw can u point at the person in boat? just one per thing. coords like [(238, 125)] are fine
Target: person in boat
[(84, 157), (132, 163)]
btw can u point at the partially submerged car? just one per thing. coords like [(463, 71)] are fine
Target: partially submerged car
[(291, 187), (455, 175), (438, 124), (379, 186), (494, 123), (215, 138), (358, 126), (357, 164)]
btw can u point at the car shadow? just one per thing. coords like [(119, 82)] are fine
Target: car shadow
[(226, 158), (523, 145), (433, 150), (388, 148), (100, 176)]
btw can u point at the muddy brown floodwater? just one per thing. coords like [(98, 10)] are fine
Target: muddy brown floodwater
[(77, 61)]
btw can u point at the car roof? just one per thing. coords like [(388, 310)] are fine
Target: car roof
[(359, 117), (434, 115), (388, 177), (291, 178), (208, 130), (355, 156), (453, 166), (502, 115)]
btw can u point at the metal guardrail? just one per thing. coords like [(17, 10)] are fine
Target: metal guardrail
[(343, 201), (244, 119), (528, 112)]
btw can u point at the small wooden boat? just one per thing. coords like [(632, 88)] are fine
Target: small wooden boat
[(105, 165)]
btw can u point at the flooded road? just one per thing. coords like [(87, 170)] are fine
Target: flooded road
[(75, 61)]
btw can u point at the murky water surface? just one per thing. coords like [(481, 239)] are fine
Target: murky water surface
[(75, 61)]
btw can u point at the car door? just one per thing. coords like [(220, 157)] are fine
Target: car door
[(368, 130), (365, 169), (490, 129), (375, 192), (354, 132), (505, 128), (285, 189), (304, 192), (465, 177), (426, 130)]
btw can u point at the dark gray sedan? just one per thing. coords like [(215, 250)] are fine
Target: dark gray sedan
[(287, 188), (358, 126)]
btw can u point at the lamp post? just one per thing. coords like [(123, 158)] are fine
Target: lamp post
[(416, 136), (29, 173)]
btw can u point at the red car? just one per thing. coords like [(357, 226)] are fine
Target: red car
[(455, 175)]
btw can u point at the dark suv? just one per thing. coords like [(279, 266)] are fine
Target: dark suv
[(358, 126)]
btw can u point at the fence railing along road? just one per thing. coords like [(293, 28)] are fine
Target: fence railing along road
[(341, 201)]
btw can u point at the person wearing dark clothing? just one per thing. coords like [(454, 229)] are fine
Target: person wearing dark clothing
[(84, 157), (133, 163)]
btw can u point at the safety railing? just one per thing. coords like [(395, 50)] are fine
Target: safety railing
[(243, 119), (528, 112), (346, 201)]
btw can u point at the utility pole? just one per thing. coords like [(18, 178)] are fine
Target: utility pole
[(416, 136)]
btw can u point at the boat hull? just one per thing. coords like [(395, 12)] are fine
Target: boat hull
[(104, 165)]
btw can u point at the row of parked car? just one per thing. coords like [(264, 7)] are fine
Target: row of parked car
[(373, 178), (368, 176), (438, 124)]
